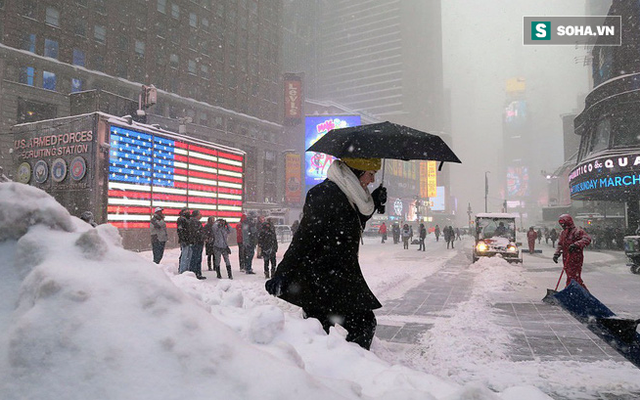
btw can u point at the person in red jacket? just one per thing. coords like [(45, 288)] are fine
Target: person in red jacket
[(571, 244), (383, 232), (531, 238)]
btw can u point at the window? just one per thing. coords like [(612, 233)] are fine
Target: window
[(82, 3), (193, 20), (626, 126), (192, 67), (48, 80), (100, 34), (98, 62), (204, 72), (139, 48), (27, 75), (78, 57), (76, 85), (175, 11), (29, 9), (123, 43), (173, 60), (162, 6), (600, 140), (53, 16), (121, 70), (80, 27), (161, 30), (29, 42), (160, 60), (31, 111), (205, 23), (51, 48), (100, 7)]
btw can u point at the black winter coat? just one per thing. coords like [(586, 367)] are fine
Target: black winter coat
[(320, 268)]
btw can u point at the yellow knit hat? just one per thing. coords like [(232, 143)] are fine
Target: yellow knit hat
[(364, 164)]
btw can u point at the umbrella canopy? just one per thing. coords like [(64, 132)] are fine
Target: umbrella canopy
[(384, 140)]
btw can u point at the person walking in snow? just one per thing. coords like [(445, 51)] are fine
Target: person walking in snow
[(539, 235), (553, 236), (217, 232), (249, 241), (436, 232), (196, 242), (240, 241), (383, 232), (423, 235), (268, 242), (449, 236), (406, 234), (532, 235), (183, 240), (570, 245), (320, 270), (159, 236)]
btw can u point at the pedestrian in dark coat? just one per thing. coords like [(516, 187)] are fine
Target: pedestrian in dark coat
[(571, 244), (240, 241), (159, 236), (268, 242), (553, 236), (183, 240), (423, 235), (196, 242), (539, 235), (436, 231), (249, 241), (320, 270), (449, 235)]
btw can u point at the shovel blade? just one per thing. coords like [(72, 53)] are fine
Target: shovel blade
[(550, 297), (624, 329)]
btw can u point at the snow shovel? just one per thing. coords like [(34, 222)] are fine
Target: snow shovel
[(549, 298), (625, 329)]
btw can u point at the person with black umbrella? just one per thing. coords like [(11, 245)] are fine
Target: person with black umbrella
[(320, 271)]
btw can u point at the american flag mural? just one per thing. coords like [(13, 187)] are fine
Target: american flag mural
[(148, 171)]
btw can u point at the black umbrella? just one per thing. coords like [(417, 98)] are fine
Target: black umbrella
[(384, 140)]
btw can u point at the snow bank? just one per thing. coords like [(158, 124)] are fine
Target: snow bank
[(82, 318)]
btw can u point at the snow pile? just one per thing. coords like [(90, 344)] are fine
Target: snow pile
[(82, 318)]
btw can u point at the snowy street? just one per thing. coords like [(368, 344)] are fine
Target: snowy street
[(486, 322), (84, 318)]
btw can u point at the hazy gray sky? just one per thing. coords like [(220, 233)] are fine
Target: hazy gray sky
[(482, 48)]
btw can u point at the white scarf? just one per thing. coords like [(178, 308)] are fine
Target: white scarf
[(346, 180)]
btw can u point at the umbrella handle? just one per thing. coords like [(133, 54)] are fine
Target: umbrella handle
[(383, 165)]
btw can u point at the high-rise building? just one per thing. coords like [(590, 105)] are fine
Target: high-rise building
[(216, 64), (385, 58), (376, 58)]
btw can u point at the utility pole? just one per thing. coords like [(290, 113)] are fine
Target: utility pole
[(486, 189), (469, 212)]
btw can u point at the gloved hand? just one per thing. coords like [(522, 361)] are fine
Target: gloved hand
[(379, 196), (274, 285), (555, 258), (573, 247)]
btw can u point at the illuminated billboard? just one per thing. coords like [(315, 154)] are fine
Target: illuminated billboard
[(316, 164), (517, 182), (148, 171)]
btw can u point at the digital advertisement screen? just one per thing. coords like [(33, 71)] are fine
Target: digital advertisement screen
[(316, 164), (517, 182), (147, 171)]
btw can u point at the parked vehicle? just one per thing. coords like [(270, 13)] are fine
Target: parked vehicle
[(495, 235), (283, 233)]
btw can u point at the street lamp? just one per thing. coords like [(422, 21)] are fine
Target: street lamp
[(486, 189)]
